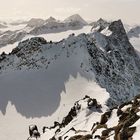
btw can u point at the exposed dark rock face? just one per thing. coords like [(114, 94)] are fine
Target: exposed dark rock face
[(81, 137), (128, 117), (105, 117), (124, 129), (117, 69), (33, 132), (101, 24)]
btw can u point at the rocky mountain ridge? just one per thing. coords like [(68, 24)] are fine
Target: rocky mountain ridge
[(112, 59)]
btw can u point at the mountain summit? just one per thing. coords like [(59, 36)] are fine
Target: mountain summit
[(34, 22), (76, 18), (99, 25)]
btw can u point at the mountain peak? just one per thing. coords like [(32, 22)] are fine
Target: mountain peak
[(117, 27), (134, 32), (118, 30), (51, 19), (101, 20), (75, 17), (101, 24), (35, 22)]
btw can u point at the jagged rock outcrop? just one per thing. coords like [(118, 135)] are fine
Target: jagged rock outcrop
[(107, 128), (99, 25), (78, 107), (125, 129), (74, 112), (115, 63), (81, 137)]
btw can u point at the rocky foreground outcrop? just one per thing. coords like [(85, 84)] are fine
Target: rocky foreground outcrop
[(128, 115), (119, 123)]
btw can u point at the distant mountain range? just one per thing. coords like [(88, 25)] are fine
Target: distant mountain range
[(16, 31)]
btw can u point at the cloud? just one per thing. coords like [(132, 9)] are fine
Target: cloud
[(90, 9), (67, 10)]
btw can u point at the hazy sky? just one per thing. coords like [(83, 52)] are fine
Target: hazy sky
[(127, 10)]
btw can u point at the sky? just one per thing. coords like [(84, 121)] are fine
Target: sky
[(127, 10)]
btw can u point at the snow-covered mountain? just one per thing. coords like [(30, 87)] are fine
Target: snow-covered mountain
[(99, 25), (42, 80), (113, 61), (35, 22), (52, 25), (51, 19), (76, 19)]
